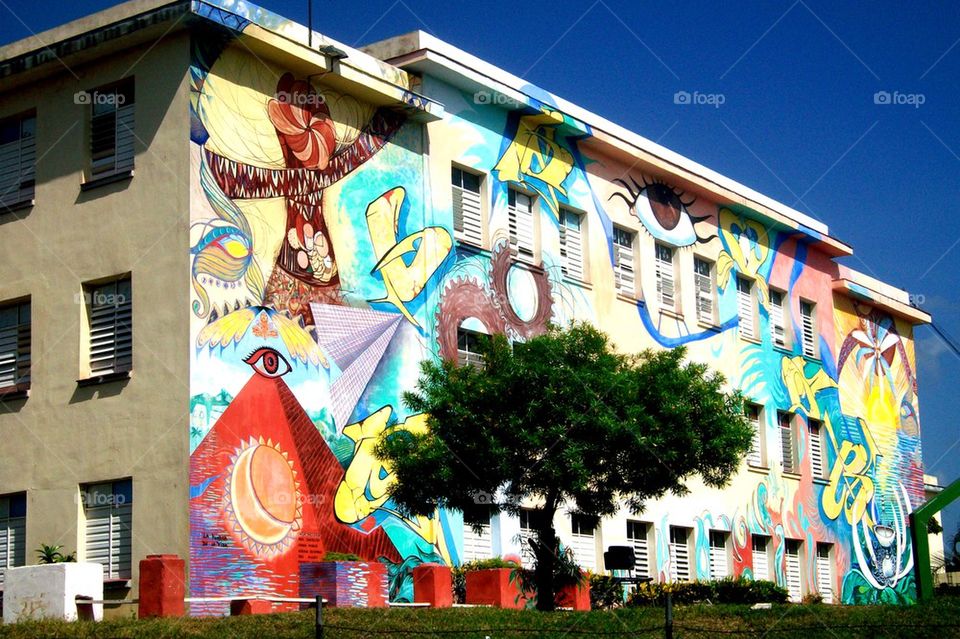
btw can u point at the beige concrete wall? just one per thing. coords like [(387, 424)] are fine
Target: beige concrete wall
[(64, 435)]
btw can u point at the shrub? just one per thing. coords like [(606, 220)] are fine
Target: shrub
[(731, 590), (812, 598), (605, 592)]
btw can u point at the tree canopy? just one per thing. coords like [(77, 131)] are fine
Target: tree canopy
[(564, 420)]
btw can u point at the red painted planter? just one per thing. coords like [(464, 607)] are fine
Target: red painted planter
[(433, 584), (573, 596), (492, 587), (162, 586)]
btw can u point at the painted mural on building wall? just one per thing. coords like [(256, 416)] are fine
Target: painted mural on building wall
[(324, 269)]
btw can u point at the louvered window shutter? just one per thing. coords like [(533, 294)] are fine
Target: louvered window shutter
[(745, 307), (786, 443), (112, 132), (109, 523), (777, 333), (15, 344), (704, 284), (793, 569), (824, 573), (571, 245), (111, 328), (816, 448), (623, 261), (755, 458), (761, 559), (679, 555), (809, 335), (13, 527), (637, 534), (467, 220), (17, 160), (520, 223), (665, 280)]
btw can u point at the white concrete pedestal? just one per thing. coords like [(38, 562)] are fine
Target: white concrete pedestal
[(49, 591)]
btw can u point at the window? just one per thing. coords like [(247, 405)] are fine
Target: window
[(15, 347), (623, 261), (571, 244), (792, 548), (825, 572), (520, 223), (584, 544), (108, 509), (679, 554), (468, 347), (111, 129), (778, 334), (719, 566), (467, 211), (761, 557), (815, 431), (477, 538), (18, 153), (745, 308), (808, 323), (666, 286), (756, 456), (111, 327), (637, 532), (13, 532), (703, 278), (786, 442), (527, 534)]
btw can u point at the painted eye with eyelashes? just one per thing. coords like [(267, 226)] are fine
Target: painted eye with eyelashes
[(268, 362), (662, 209)]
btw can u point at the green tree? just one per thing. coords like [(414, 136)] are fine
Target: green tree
[(564, 421)]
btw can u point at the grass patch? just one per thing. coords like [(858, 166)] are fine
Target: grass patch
[(939, 620)]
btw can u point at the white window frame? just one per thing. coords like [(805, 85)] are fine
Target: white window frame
[(112, 130), (808, 328), (15, 345), (680, 553), (760, 556), (467, 206), (527, 533), (778, 318), (719, 543), (793, 568), (746, 308), (638, 534), (108, 510), (824, 565), (477, 545), (817, 449), (624, 261), (572, 243), (18, 161), (705, 290), (583, 542), (788, 441), (467, 352), (664, 257), (13, 532), (521, 223), (110, 323), (754, 414)]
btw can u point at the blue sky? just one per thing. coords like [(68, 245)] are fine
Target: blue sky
[(798, 121)]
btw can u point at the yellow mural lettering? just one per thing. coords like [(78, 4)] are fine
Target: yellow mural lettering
[(535, 158), (851, 488), (801, 389), (403, 277)]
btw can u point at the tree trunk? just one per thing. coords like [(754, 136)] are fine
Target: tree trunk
[(546, 551)]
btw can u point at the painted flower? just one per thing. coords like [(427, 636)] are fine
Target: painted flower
[(303, 123)]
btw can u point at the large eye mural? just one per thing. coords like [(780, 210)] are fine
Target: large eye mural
[(663, 210), (268, 362)]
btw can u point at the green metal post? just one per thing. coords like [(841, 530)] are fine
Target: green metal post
[(919, 519)]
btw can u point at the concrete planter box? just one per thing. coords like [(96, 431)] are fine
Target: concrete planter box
[(350, 584), (573, 596), (492, 587), (49, 591)]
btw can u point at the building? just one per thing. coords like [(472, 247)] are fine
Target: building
[(228, 243)]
